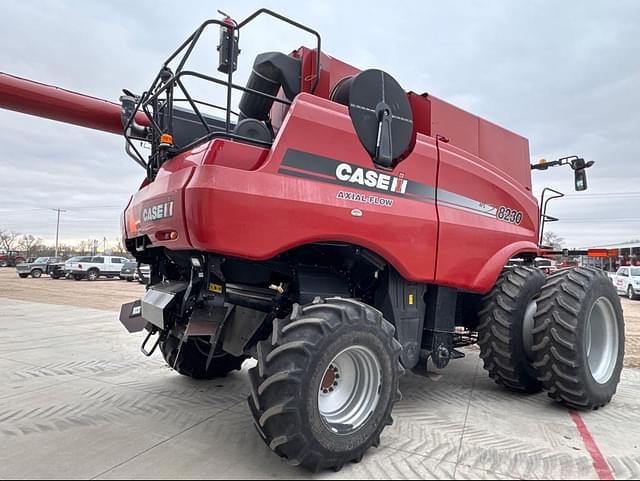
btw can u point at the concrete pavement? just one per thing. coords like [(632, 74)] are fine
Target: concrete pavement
[(78, 400)]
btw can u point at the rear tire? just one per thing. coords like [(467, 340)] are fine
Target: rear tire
[(506, 319), (93, 275), (631, 293), (77, 277), (579, 338), (4, 264), (302, 408), (23, 276), (193, 355)]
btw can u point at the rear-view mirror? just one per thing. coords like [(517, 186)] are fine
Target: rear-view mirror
[(581, 180)]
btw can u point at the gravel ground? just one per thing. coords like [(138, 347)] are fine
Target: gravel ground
[(110, 294), (104, 294)]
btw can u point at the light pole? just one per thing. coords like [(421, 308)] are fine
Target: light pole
[(59, 211)]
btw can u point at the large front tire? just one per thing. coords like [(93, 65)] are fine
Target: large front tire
[(506, 329), (190, 359), (579, 338), (326, 383)]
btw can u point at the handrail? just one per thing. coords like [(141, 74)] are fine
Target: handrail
[(159, 110)]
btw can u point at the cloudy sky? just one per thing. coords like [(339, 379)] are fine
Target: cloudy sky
[(564, 74)]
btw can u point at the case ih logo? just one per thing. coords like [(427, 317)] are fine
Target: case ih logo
[(158, 212), (313, 167), (371, 178)]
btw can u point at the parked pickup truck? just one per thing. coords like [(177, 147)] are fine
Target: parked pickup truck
[(98, 266), (627, 281), (128, 272), (35, 269)]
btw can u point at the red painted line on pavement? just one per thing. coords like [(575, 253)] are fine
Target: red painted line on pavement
[(599, 462)]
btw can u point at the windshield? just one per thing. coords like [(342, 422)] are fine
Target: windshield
[(635, 272), (41, 260)]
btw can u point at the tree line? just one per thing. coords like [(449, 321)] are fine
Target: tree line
[(30, 246)]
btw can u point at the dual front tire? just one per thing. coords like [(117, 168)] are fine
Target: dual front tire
[(563, 334)]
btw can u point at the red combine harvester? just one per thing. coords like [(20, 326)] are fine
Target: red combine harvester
[(339, 230)]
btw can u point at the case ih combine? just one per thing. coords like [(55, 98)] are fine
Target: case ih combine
[(339, 230)]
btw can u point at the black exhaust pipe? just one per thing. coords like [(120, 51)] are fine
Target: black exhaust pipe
[(271, 71)]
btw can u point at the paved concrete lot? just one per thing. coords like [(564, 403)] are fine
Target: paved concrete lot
[(78, 400)]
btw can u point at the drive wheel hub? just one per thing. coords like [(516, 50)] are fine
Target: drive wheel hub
[(350, 390)]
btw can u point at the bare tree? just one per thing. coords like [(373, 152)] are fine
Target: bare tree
[(30, 244), (119, 248), (552, 239), (82, 247), (9, 240)]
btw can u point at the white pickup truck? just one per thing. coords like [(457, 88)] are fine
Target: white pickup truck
[(96, 267), (627, 281)]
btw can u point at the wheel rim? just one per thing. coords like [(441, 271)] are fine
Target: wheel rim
[(528, 325), (602, 340), (92, 276), (349, 392)]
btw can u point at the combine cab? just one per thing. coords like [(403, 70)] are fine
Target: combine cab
[(339, 230)]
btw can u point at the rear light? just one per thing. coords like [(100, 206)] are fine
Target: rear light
[(167, 235), (133, 224)]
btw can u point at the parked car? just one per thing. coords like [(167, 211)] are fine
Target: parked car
[(128, 272), (627, 281), (56, 271), (143, 274), (42, 265), (545, 265), (97, 267), (72, 263)]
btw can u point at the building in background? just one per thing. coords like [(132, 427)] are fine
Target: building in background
[(613, 256)]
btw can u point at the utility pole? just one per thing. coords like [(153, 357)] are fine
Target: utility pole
[(59, 211)]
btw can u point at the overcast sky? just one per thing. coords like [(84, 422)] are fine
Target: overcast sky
[(566, 75)]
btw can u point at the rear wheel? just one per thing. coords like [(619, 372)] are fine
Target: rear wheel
[(93, 275), (326, 383), (190, 359), (631, 293), (579, 338), (506, 329), (4, 264), (36, 273), (23, 276), (77, 277)]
